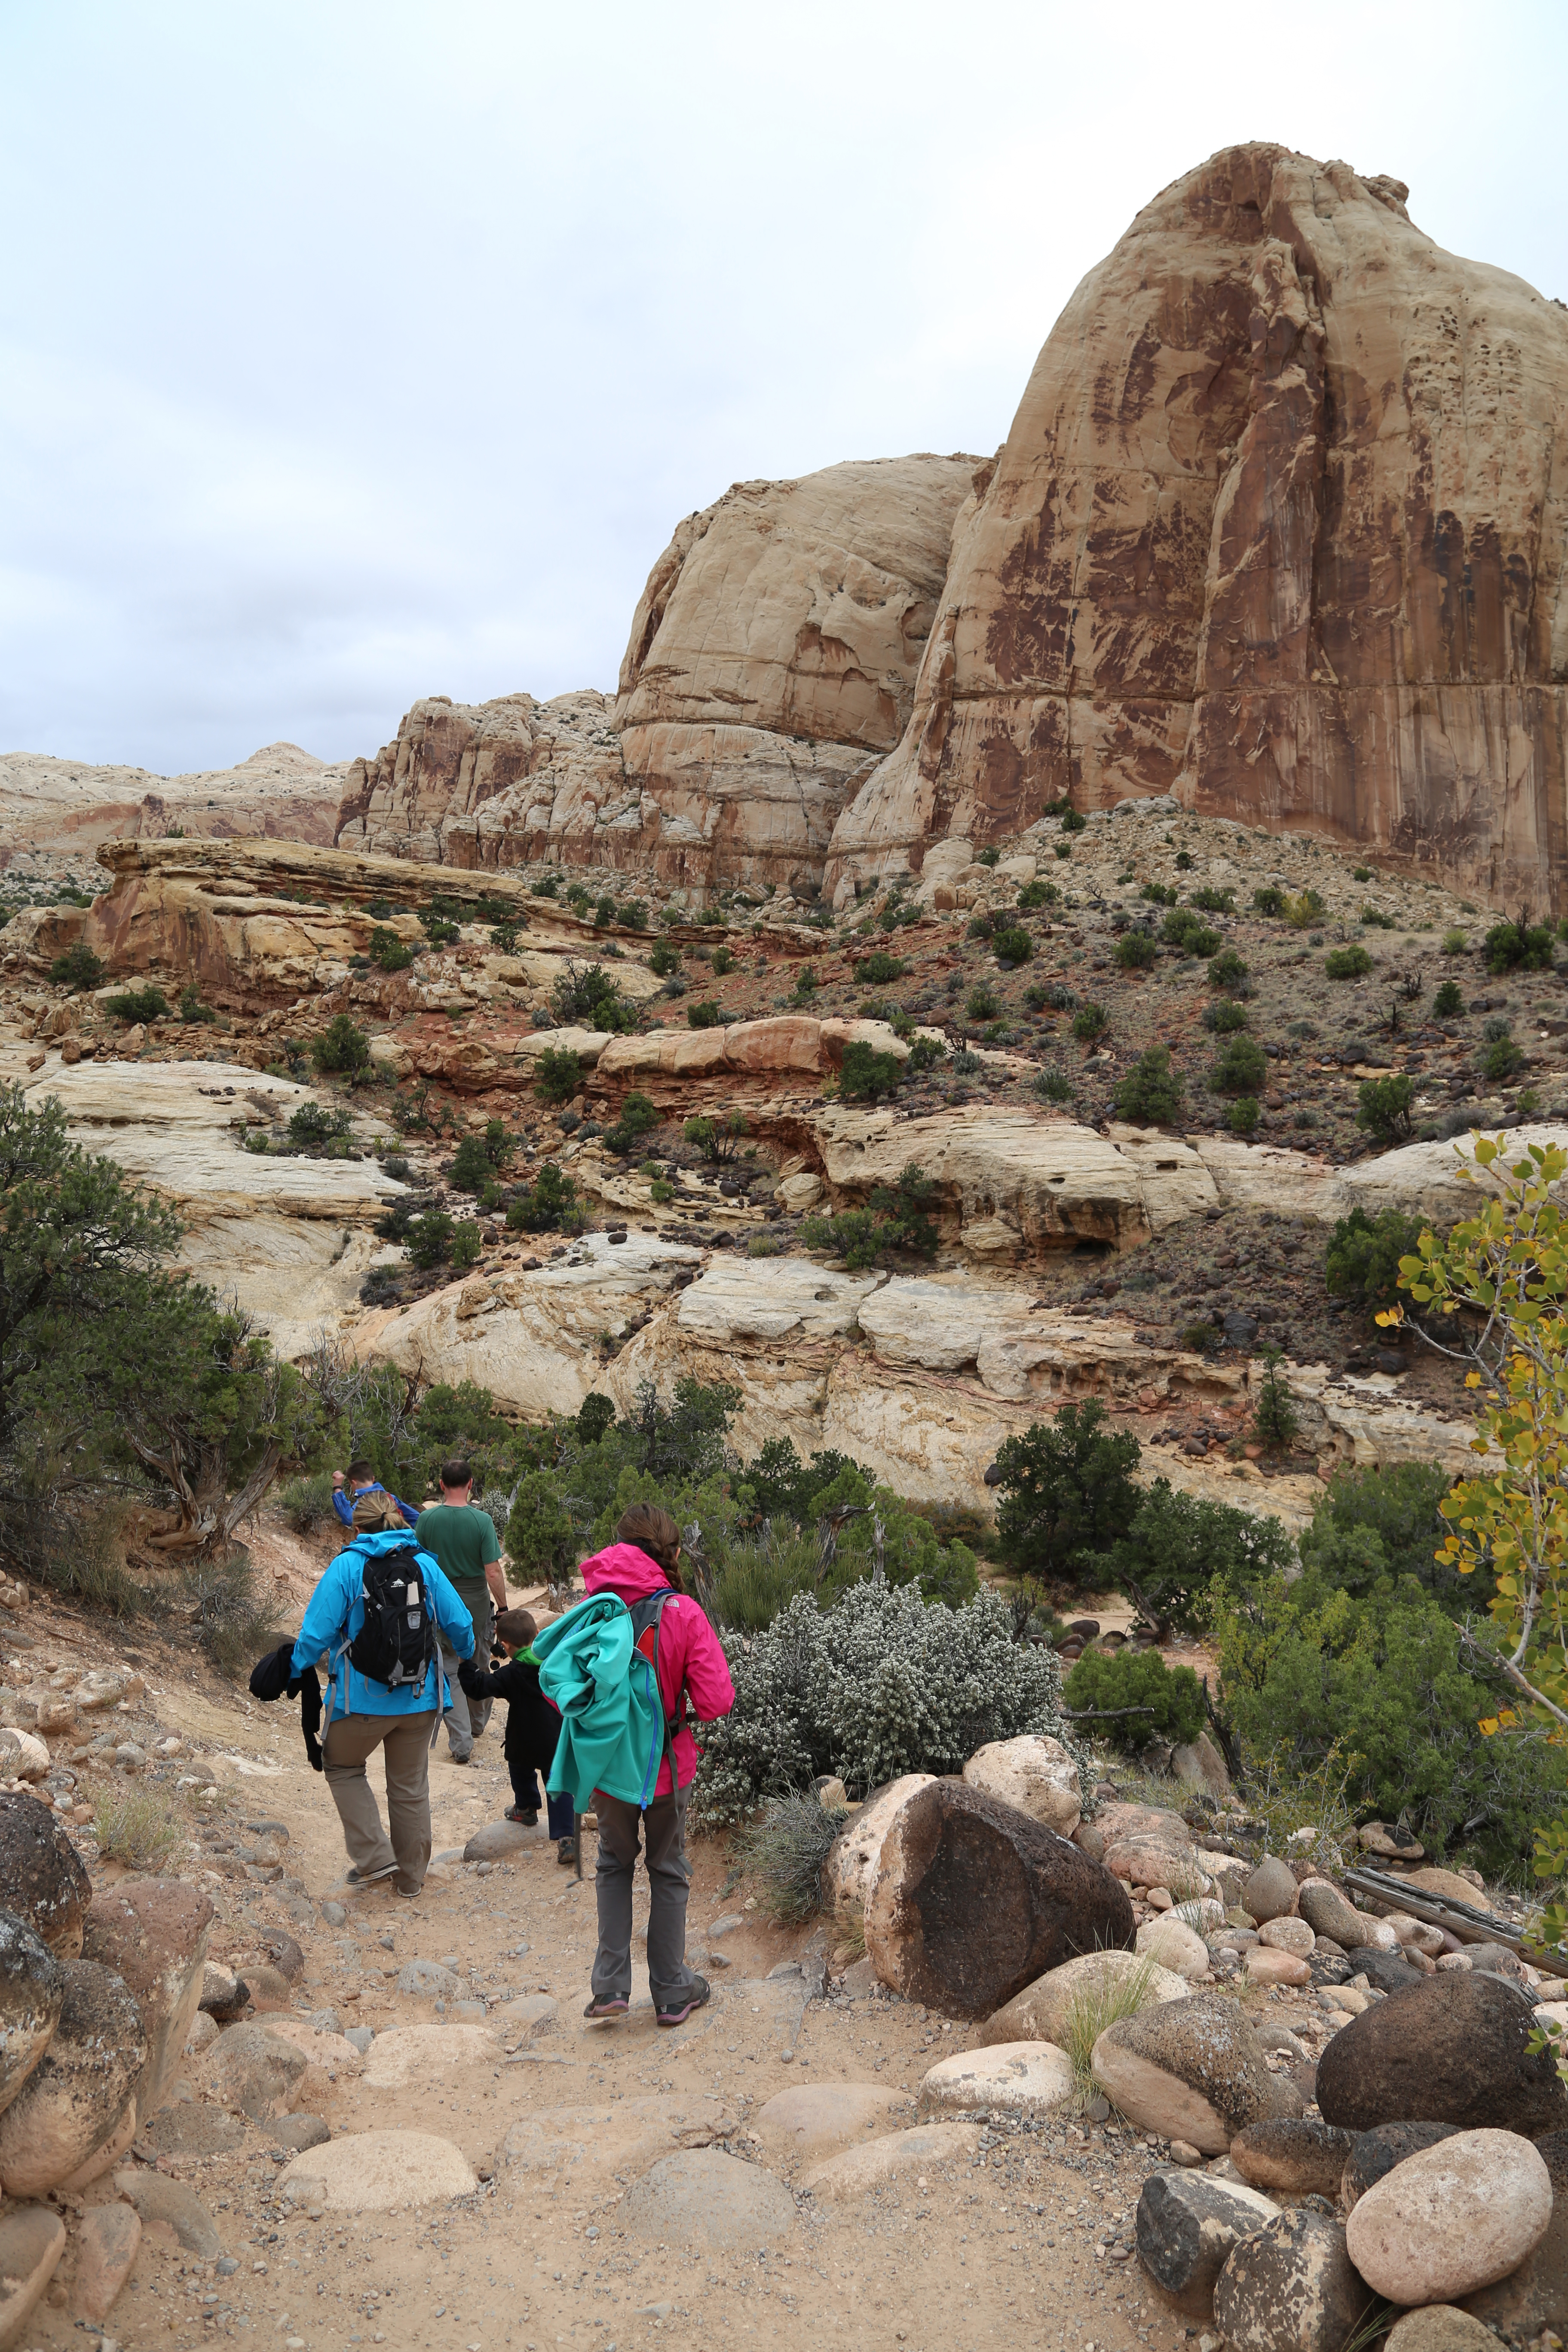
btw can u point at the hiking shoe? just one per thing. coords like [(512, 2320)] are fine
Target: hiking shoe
[(456, 1759), (369, 1877), (410, 1893), (566, 1852), (611, 2006), (517, 1813), (680, 2010)]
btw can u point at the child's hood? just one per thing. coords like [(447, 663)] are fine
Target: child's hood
[(622, 1568)]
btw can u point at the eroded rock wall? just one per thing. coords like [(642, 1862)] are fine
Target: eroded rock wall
[(1280, 528)]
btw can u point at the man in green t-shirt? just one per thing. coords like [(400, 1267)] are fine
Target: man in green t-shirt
[(463, 1541)]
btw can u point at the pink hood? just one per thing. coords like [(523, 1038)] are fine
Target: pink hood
[(690, 1657)]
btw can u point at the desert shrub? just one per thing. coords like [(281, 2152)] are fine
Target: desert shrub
[(79, 968), (1099, 2002), (139, 1826), (548, 1205), (148, 1003), (718, 1140), (1229, 971), (1347, 963), (1169, 1699), (1455, 941), (1243, 1116), (781, 1852), (639, 1115), (306, 1503), (1377, 919), (1089, 1022), (392, 953), (763, 1245), (558, 1075), (879, 1685), (1013, 944), (1151, 1093), (1275, 1419), (1054, 1085), (1503, 1058), (867, 1074), (1037, 894), (1224, 1016), (665, 959), (1180, 1549), (1187, 930), (1302, 910), (804, 984), (1269, 900), (923, 1054), (429, 1239), (1135, 951), (1385, 1522), (1362, 1261), (585, 996), (1067, 1495), (468, 1245), (224, 1601), (540, 1536), (989, 858), (1447, 1003), (1514, 947), (1158, 894), (1241, 1067), (982, 1003), (317, 1128), (1382, 1107), (706, 1016), (1308, 1669), (894, 1219), (1215, 902), (342, 1048), (879, 968)]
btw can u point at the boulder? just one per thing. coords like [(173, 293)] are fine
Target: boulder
[(702, 2197), (1497, 1961), (1192, 2070), (1187, 2224), (1270, 1892), (224, 1996), (32, 1992), (1439, 2328), (1415, 1934), (1327, 1913), (154, 1933), (1294, 2156), (193, 2127), (1293, 1936), (1446, 1885), (256, 2072), (596, 2144), (331, 2058), (106, 2154), (371, 2170), (1035, 1775), (1173, 1946), (1451, 2219), (426, 2054), (157, 2198), (1390, 1841), (1449, 2050), (953, 1858), (1290, 2287), (299, 2133), (883, 2163), (1377, 2151), (1266, 1966), (1535, 2296), (32, 2240), (428, 1980), (77, 2095), (106, 2247), (1043, 2010), (1025, 2078), (1200, 1765), (45, 1878), (497, 1840), (23, 1755), (1384, 1971), (814, 2120), (850, 1869)]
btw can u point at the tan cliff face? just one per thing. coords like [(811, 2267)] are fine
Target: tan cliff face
[(1278, 528)]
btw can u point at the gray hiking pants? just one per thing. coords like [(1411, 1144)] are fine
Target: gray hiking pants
[(663, 1825), (466, 1717)]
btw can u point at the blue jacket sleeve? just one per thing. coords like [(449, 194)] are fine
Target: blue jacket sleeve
[(327, 1611), (411, 1518), (342, 1507), (452, 1619)]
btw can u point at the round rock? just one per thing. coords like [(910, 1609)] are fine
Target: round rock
[(371, 2170), (154, 1933), (850, 1871), (1452, 2218), (1270, 1890), (1440, 2327), (1192, 2070), (1187, 2224), (1327, 1913), (32, 1990), (814, 2120), (1290, 2287), (255, 2072), (1043, 2010), (1173, 1944), (76, 2096), (45, 1878), (1033, 1773), (427, 2053), (1266, 1966), (953, 1857), (1533, 2299), (881, 2163), (1293, 2157), (1449, 2050), (1292, 1936), (31, 2243), (1024, 2078), (702, 2197), (106, 2245)]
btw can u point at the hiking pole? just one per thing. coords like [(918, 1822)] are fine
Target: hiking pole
[(577, 1840)]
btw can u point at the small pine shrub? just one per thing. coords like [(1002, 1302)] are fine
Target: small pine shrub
[(1243, 1116), (1150, 1094), (468, 1245), (1362, 873), (1013, 944), (1241, 1068), (314, 1129), (1347, 963), (879, 968), (1449, 1003), (1170, 1699), (722, 961), (387, 951), (982, 1003), (1089, 1022), (148, 1003), (639, 1116), (665, 959), (1227, 971), (1454, 942), (1269, 900), (430, 1239), (705, 1015), (1362, 1261), (1383, 1109), (867, 1074), (1502, 1058), (1224, 1015), (558, 1075), (1135, 951), (79, 968), (1215, 902), (1037, 894), (1514, 947), (548, 1205), (1184, 930), (989, 858), (342, 1048), (1159, 894), (1275, 1419), (1184, 861)]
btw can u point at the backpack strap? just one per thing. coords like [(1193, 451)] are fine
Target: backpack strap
[(648, 1617)]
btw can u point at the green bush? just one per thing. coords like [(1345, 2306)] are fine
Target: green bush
[(1184, 930), (1135, 951), (1181, 1549), (1037, 894), (1362, 1261), (468, 1245), (548, 1205), (981, 923), (1269, 900), (1158, 894), (540, 1536), (782, 1850), (1054, 1085), (722, 961), (1215, 902), (306, 1503), (1449, 1003), (1384, 1522), (429, 1241), (867, 1074), (1067, 1495), (1227, 971), (718, 1140), (1347, 963), (1275, 1419), (558, 1075), (1013, 944), (586, 997), (894, 1219), (880, 967), (982, 1003), (1089, 1022), (341, 1048), (1513, 947), (314, 1127), (1503, 1058), (639, 1116), (148, 1003), (1243, 1116), (705, 1015), (1150, 1094), (1225, 1016), (1169, 1699), (79, 968), (665, 959), (989, 858), (472, 1168), (1455, 941), (388, 951), (804, 984), (1241, 1067), (191, 1005), (879, 1686), (1383, 1109)]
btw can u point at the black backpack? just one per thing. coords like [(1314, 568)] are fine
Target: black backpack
[(398, 1641)]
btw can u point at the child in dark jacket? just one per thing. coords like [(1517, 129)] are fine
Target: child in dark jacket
[(532, 1725)]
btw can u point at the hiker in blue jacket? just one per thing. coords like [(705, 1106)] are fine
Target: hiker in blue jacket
[(359, 1479), (385, 1688)]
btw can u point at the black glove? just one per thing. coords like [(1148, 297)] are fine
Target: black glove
[(468, 1674)]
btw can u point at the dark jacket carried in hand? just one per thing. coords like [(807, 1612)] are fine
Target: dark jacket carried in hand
[(272, 1677), (532, 1725)]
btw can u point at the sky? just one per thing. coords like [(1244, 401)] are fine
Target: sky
[(359, 349)]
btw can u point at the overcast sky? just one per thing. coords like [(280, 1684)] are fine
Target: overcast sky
[(350, 353)]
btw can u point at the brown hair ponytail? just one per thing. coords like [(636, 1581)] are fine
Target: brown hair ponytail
[(655, 1532)]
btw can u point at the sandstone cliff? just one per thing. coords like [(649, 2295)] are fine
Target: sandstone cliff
[(55, 808), (1280, 528)]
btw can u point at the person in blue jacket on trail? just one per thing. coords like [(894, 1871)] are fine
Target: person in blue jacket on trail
[(362, 1713), (359, 1479)]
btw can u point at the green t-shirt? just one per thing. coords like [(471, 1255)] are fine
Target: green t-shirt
[(463, 1541)]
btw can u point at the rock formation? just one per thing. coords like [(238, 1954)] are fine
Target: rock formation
[(56, 808), (1277, 528)]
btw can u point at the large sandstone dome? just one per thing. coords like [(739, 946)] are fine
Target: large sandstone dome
[(1279, 528)]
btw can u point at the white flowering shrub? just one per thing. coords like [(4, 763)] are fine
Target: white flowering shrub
[(879, 1685)]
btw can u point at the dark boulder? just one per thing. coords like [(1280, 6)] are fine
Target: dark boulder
[(1387, 1971), (42, 1877), (1187, 2223), (32, 1992), (1293, 2157), (1291, 2287), (1451, 2049), (1377, 2151), (973, 1900)]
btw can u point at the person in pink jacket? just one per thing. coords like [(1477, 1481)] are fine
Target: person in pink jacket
[(693, 1678)]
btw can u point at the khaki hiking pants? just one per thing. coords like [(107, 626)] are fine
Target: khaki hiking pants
[(404, 1743)]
